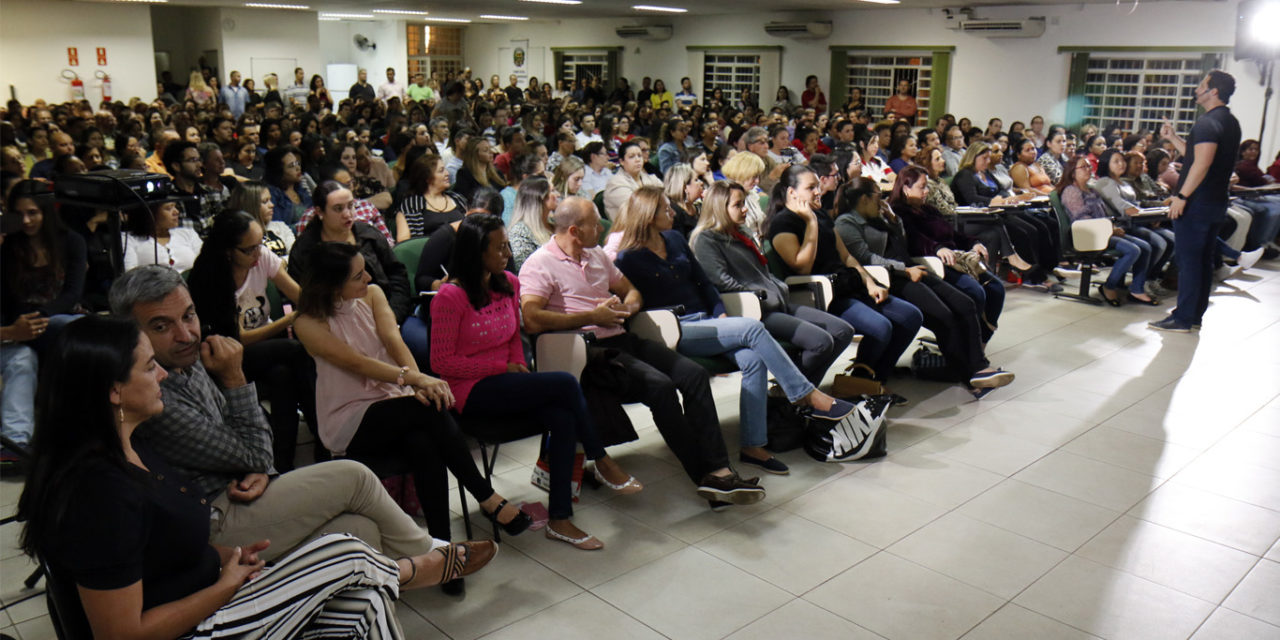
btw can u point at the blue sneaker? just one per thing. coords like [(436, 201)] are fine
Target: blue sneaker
[(1170, 324), (839, 409)]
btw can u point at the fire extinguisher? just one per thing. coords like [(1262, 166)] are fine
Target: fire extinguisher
[(77, 85), (106, 84)]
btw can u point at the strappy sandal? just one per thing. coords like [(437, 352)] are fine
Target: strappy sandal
[(627, 488), (516, 526), (585, 543), (460, 559)]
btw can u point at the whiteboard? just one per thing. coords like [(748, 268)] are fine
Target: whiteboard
[(282, 67), (339, 78)]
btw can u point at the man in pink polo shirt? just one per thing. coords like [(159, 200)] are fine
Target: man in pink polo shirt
[(569, 284)]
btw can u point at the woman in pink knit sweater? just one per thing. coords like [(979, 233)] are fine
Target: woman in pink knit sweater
[(476, 348)]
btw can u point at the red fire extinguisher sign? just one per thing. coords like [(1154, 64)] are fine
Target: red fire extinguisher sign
[(73, 57), (102, 56)]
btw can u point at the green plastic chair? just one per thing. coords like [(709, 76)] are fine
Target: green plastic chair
[(409, 253)]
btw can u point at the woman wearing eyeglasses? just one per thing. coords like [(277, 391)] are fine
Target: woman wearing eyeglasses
[(229, 288), (283, 175)]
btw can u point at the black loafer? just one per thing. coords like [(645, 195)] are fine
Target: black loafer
[(771, 465)]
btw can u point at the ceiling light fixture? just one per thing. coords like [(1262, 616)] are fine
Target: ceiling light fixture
[(554, 1), (490, 16), (458, 20), (661, 9), (400, 12), (882, 1), (348, 16), (265, 5), (146, 1)]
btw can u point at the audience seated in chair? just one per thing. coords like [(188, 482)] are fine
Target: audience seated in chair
[(570, 284)]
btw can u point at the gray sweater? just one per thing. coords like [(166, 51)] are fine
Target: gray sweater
[(1119, 196), (867, 243), (732, 266)]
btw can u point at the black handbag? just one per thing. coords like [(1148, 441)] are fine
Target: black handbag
[(927, 363), (786, 424), (847, 284)]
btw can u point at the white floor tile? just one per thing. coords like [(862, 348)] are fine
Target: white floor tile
[(865, 510), (901, 600), (1132, 451), (1113, 604), (510, 588), (1012, 621), (799, 619), (1192, 565), (995, 560), (786, 550), (1258, 595), (1210, 516), (582, 617), (1226, 624), (1039, 514), (1103, 484), (691, 594), (932, 478), (985, 449)]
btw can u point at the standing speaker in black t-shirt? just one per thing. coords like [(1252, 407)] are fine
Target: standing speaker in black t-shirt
[(1200, 200)]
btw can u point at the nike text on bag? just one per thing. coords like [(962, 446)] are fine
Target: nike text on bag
[(858, 436)]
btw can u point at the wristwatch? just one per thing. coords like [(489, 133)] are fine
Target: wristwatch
[(1180, 197), (404, 371)]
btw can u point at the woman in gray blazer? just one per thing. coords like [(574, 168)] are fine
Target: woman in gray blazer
[(733, 261)]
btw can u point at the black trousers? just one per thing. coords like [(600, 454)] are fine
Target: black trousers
[(425, 441), (285, 376), (1034, 241), (653, 375), (952, 316)]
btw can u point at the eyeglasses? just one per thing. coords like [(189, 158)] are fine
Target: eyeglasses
[(293, 165), (249, 251)]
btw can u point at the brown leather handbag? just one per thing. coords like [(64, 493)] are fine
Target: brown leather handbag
[(857, 380)]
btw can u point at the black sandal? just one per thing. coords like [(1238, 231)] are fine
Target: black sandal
[(1115, 302), (1153, 302), (517, 525)]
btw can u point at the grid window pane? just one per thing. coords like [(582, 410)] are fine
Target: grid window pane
[(878, 75), (586, 65), (1140, 93), (433, 48), (730, 73)]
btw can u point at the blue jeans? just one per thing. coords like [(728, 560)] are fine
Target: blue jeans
[(886, 329), (987, 295), (757, 354), (1135, 256), (1161, 241), (1196, 234), (18, 365), (1266, 220)]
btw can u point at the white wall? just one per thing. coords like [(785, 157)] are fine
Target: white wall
[(270, 35), (1011, 78), (338, 47), (34, 36), (186, 33)]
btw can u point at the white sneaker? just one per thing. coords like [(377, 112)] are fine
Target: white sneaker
[(1249, 258)]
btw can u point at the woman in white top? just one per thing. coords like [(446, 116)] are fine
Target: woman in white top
[(631, 176), (154, 237), (597, 173)]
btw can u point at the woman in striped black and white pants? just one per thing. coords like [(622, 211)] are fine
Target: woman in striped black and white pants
[(115, 521)]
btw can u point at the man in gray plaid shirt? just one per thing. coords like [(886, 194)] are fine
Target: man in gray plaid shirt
[(214, 432)]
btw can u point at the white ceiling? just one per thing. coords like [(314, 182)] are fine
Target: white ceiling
[(614, 8)]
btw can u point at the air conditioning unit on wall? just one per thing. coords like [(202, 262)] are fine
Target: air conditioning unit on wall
[(1029, 28), (645, 32), (799, 30)]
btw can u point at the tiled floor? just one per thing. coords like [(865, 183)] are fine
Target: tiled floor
[(1126, 486)]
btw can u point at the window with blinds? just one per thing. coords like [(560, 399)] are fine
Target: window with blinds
[(730, 73), (878, 77), (1140, 92), (433, 48)]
